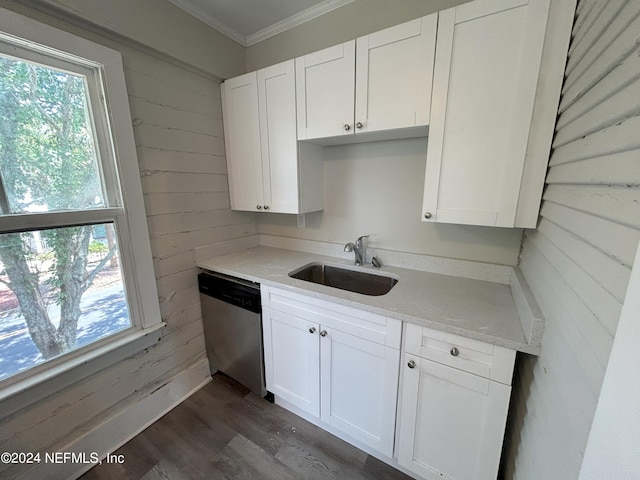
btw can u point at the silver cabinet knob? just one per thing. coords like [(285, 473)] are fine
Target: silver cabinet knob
[(312, 330), (411, 364), (359, 125), (259, 207), (427, 215), (323, 333), (454, 351), (347, 126), (266, 207)]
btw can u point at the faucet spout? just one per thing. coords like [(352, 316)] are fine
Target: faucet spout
[(359, 249)]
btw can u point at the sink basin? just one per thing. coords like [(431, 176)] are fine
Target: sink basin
[(345, 278)]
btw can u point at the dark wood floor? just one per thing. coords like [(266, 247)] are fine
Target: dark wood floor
[(224, 431)]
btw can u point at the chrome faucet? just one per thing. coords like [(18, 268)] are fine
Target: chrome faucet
[(359, 249)]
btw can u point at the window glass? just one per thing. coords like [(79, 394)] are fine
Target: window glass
[(60, 289), (76, 270), (48, 158)]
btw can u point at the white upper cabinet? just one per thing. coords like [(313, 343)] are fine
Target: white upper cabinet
[(279, 146), (382, 82), (242, 141), (266, 169), (325, 95), (394, 71), (489, 56)]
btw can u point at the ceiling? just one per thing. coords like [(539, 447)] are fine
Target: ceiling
[(251, 21)]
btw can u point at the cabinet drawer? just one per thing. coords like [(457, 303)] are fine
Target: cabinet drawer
[(473, 356), (366, 325)]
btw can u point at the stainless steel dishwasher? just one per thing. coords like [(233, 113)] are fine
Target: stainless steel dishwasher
[(231, 314)]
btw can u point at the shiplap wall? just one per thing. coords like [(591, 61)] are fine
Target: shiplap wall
[(178, 131), (578, 261)]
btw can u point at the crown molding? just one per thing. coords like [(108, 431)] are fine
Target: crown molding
[(295, 20), (210, 20), (275, 29)]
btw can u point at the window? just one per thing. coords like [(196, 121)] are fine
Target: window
[(75, 261)]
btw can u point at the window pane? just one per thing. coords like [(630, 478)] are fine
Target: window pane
[(47, 152), (60, 289)]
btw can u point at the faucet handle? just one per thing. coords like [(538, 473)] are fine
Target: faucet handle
[(360, 239)]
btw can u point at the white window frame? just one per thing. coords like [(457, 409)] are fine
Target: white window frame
[(124, 206)]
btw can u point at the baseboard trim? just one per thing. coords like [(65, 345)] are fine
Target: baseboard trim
[(118, 429)]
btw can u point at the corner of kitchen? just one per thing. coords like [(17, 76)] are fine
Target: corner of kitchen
[(320, 239)]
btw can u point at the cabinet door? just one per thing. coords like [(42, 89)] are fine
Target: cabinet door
[(242, 142), (277, 106), (325, 92), (482, 105), (452, 422), (359, 385), (394, 70), (292, 365)]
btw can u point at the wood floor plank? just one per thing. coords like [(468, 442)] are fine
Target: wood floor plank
[(164, 470), (191, 426), (223, 431), (375, 469), (306, 465), (178, 449), (249, 455)]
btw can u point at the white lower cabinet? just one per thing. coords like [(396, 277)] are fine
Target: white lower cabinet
[(338, 364), (452, 421), (359, 381), (339, 367), (293, 353)]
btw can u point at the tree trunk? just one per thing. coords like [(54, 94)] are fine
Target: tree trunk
[(71, 271), (24, 284), (111, 242)]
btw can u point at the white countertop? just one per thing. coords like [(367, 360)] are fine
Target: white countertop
[(476, 309)]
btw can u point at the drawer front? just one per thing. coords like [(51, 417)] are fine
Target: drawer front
[(370, 326), (473, 356)]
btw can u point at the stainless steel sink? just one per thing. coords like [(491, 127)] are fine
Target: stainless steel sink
[(345, 278)]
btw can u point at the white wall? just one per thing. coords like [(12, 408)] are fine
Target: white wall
[(353, 20), (159, 25), (376, 189), (614, 440), (179, 137), (578, 261)]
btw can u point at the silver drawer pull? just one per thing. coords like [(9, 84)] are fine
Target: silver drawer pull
[(454, 351), (411, 364), (323, 333), (312, 330)]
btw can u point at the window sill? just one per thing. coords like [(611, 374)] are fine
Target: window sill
[(59, 373)]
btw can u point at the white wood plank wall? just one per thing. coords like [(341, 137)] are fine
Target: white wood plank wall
[(579, 259), (178, 130)]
